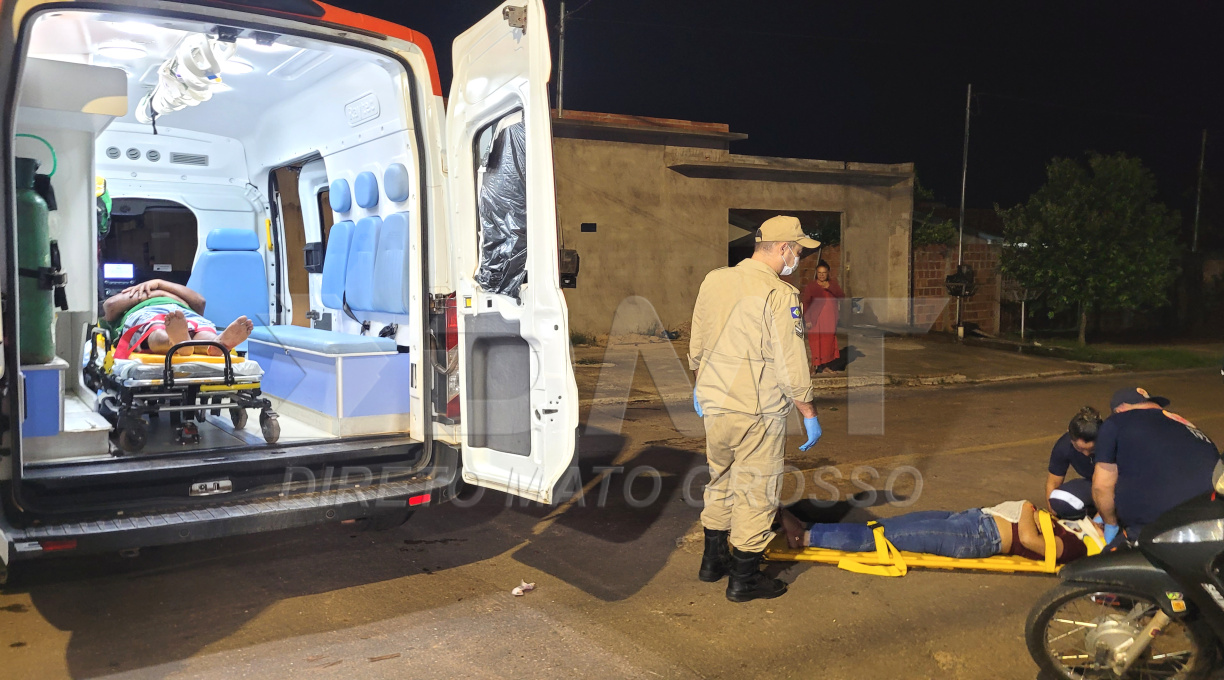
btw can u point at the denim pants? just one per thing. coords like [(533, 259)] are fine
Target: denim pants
[(971, 533)]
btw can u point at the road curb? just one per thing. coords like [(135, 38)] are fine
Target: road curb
[(842, 383)]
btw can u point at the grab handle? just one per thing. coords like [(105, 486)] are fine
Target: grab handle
[(169, 371)]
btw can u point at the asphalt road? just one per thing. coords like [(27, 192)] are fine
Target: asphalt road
[(616, 590)]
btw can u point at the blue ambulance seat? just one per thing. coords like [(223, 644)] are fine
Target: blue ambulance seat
[(359, 279), (348, 273), (322, 342), (396, 184), (335, 264), (230, 275), (339, 196), (391, 266), (365, 190)]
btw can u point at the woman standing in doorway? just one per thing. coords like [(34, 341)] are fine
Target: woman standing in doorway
[(821, 301)]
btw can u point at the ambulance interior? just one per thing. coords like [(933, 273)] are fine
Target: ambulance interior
[(194, 167)]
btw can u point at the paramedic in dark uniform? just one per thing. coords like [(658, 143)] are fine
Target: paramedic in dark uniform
[(748, 350), (1074, 450), (1148, 460)]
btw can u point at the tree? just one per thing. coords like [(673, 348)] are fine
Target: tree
[(1093, 238), (927, 229)]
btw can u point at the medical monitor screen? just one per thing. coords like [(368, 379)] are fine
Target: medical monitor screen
[(118, 271)]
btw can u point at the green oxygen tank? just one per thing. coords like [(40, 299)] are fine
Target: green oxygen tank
[(35, 310)]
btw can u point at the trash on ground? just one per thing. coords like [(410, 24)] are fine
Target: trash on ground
[(522, 588)]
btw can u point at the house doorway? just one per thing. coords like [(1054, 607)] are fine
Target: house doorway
[(824, 226)]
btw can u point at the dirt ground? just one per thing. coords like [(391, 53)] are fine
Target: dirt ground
[(616, 590)]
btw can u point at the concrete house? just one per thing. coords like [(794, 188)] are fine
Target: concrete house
[(652, 205)]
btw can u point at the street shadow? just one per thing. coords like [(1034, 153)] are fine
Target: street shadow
[(849, 354), (616, 540), (169, 603)]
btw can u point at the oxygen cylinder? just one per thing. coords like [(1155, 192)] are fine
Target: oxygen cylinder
[(35, 302)]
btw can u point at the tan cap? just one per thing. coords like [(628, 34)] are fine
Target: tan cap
[(785, 228)]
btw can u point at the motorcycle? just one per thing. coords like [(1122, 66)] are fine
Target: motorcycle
[(1155, 610)]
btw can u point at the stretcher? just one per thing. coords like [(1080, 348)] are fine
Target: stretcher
[(886, 560), (188, 388)]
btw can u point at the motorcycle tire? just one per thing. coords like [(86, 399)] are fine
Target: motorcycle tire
[(1043, 611)]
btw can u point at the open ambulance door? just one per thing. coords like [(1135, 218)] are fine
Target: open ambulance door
[(519, 401)]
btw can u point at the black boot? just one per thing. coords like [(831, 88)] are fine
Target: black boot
[(747, 582), (717, 558)]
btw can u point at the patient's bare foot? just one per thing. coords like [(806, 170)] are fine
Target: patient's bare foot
[(793, 528), (234, 334), (177, 331)]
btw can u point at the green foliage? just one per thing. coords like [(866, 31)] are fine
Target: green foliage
[(1093, 237), (826, 229), (1139, 357), (921, 193), (928, 230)]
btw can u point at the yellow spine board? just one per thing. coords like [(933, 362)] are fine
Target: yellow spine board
[(190, 358), (886, 560)]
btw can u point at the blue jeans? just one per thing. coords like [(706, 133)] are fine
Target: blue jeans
[(971, 533)]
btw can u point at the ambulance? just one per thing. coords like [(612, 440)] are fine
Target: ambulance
[(295, 164)]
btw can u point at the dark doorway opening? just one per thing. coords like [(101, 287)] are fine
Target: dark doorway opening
[(159, 238), (823, 226)]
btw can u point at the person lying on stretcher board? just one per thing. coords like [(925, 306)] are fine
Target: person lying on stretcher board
[(1009, 528), (156, 315)]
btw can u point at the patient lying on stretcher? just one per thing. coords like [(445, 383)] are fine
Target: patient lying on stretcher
[(1010, 528), (156, 315)]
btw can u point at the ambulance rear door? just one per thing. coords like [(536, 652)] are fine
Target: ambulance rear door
[(518, 399)]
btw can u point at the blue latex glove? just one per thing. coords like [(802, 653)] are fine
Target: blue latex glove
[(697, 406), (1111, 532), (812, 425)]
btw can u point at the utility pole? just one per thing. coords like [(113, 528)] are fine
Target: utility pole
[(561, 66), (960, 241), (1198, 196)]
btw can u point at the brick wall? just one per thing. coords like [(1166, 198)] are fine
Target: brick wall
[(932, 264)]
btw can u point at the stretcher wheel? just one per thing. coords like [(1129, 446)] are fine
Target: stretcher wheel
[(133, 438), (270, 425), (238, 416)]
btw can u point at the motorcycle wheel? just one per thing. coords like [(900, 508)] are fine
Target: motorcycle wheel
[(1060, 625)]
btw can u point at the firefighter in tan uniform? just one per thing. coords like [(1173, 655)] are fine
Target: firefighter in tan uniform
[(748, 351)]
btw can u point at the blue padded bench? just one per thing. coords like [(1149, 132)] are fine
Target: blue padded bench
[(344, 384)]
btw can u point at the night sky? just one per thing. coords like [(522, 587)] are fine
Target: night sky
[(885, 81)]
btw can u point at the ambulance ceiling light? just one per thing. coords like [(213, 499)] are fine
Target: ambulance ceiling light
[(125, 51)]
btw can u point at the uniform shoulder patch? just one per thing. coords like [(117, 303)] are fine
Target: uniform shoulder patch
[(799, 328), (795, 313)]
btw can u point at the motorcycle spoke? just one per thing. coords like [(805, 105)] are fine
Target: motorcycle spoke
[(1073, 631), (1086, 615)]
